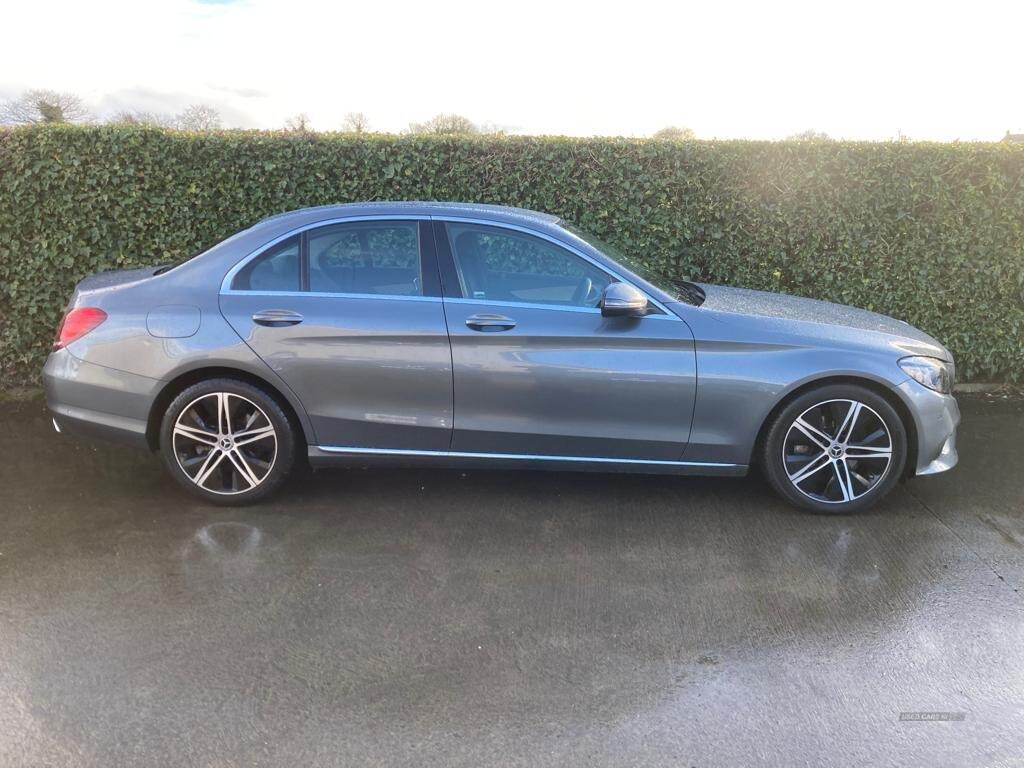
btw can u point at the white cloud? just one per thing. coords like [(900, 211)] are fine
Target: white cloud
[(760, 70)]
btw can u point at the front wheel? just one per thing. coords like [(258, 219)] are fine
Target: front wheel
[(227, 441), (837, 448)]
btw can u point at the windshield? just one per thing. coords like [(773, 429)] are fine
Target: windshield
[(682, 290)]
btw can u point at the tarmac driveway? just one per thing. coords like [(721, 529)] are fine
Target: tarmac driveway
[(418, 617)]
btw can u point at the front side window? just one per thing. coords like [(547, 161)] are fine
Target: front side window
[(682, 289), (498, 264), (276, 269), (372, 257)]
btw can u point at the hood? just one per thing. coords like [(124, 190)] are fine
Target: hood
[(742, 301)]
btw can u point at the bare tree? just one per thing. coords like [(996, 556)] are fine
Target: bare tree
[(494, 129), (41, 106), (198, 117), (355, 122), (153, 119), (809, 135), (446, 125), (299, 123), (675, 133)]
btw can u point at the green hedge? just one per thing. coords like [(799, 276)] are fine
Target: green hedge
[(931, 233)]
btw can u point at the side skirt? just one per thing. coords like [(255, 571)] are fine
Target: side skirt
[(324, 456)]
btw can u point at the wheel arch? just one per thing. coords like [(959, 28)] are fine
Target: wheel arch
[(886, 391), (175, 386)]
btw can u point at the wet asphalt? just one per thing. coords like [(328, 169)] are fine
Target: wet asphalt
[(435, 618)]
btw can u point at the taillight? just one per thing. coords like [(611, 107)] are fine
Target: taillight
[(76, 324)]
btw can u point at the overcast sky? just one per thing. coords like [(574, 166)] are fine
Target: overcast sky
[(859, 70)]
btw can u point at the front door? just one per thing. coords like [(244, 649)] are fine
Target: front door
[(539, 371), (350, 316)]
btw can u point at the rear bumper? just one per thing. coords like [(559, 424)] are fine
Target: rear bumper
[(96, 401), (936, 417)]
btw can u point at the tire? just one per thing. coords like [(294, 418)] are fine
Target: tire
[(814, 460), (217, 458)]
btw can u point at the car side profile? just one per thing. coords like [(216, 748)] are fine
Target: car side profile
[(476, 335)]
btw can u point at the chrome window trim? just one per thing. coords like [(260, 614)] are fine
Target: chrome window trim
[(517, 456), (526, 304), (552, 307), (225, 285), (320, 294)]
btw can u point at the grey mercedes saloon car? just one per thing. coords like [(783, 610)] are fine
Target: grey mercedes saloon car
[(481, 335)]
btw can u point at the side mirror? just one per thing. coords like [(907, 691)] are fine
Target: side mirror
[(623, 300)]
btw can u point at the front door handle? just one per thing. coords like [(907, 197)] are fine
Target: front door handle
[(277, 318), (490, 323)]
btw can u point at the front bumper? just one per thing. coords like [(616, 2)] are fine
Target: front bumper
[(936, 417), (947, 458), (96, 401)]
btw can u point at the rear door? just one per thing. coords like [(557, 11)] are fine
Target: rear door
[(539, 371), (350, 315)]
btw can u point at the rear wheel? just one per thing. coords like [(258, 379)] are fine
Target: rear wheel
[(227, 441), (837, 448)]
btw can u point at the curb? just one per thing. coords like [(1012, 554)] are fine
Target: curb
[(975, 387)]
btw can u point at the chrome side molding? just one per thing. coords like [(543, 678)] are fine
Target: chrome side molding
[(353, 451)]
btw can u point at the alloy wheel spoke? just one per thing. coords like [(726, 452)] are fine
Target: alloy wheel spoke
[(867, 452), (223, 413), (252, 435), (816, 464), (819, 438), (209, 465), (251, 420), (235, 457), (859, 477), (845, 481), (193, 433), (846, 428), (878, 434), (258, 464)]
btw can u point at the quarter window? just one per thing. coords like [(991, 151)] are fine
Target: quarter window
[(277, 269), (373, 257), (503, 265)]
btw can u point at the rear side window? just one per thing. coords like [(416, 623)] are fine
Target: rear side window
[(371, 257), (277, 269)]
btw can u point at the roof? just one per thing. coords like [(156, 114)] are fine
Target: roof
[(414, 207)]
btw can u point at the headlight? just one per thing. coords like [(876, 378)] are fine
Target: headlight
[(930, 372)]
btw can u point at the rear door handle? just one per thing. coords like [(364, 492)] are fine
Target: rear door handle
[(490, 323), (277, 318)]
